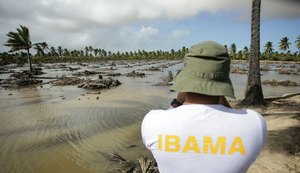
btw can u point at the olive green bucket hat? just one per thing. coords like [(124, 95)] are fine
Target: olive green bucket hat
[(206, 71)]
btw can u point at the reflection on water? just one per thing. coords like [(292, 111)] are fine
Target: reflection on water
[(41, 132)]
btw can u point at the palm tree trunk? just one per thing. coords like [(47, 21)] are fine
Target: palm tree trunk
[(29, 61), (253, 93)]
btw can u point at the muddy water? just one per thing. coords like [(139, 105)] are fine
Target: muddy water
[(64, 129)]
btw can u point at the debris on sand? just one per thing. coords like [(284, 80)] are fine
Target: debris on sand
[(73, 68), (107, 73), (22, 78), (56, 66), (6, 71), (83, 64), (37, 71), (152, 69), (85, 73), (94, 66), (163, 66), (238, 70), (68, 81), (167, 80), (113, 74), (27, 73), (20, 82), (128, 66), (99, 83), (287, 71), (87, 83), (141, 164), (135, 74), (110, 69), (265, 68), (280, 83)]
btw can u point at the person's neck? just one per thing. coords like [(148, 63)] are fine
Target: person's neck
[(201, 99), (188, 102)]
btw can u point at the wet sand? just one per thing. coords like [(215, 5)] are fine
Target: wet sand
[(65, 129)]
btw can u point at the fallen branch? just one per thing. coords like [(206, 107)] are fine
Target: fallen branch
[(284, 96), (41, 77), (280, 113)]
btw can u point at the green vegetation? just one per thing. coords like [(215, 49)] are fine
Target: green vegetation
[(60, 54), (20, 40)]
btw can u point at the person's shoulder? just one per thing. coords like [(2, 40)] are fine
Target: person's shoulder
[(153, 113), (148, 122), (246, 112), (253, 112), (260, 118), (262, 124)]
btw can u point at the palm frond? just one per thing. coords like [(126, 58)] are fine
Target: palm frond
[(18, 40), (142, 165), (147, 165)]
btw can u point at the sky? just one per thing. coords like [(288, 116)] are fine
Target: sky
[(130, 25)]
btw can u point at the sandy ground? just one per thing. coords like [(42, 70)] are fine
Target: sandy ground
[(281, 153)]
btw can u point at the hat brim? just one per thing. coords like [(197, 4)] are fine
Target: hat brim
[(189, 83)]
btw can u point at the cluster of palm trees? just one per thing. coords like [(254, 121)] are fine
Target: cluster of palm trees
[(91, 52), (283, 45), (268, 52), (20, 40)]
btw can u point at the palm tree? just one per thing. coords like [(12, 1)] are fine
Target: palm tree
[(20, 40), (66, 52), (81, 53), (298, 42), (245, 52), (74, 53), (91, 50), (269, 48), (53, 51), (86, 51), (96, 52), (253, 93), (59, 50), (39, 50), (284, 44), (44, 46), (233, 50)]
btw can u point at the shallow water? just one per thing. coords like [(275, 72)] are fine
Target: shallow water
[(42, 132)]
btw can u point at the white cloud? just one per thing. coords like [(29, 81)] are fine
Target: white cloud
[(108, 23), (114, 12), (178, 34), (146, 34), (138, 37)]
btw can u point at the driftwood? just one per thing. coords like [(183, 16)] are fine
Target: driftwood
[(284, 96), (40, 77), (280, 113), (275, 82), (5, 72)]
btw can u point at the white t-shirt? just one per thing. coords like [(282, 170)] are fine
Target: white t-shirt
[(204, 138)]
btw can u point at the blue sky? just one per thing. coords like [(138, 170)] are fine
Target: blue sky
[(129, 25)]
